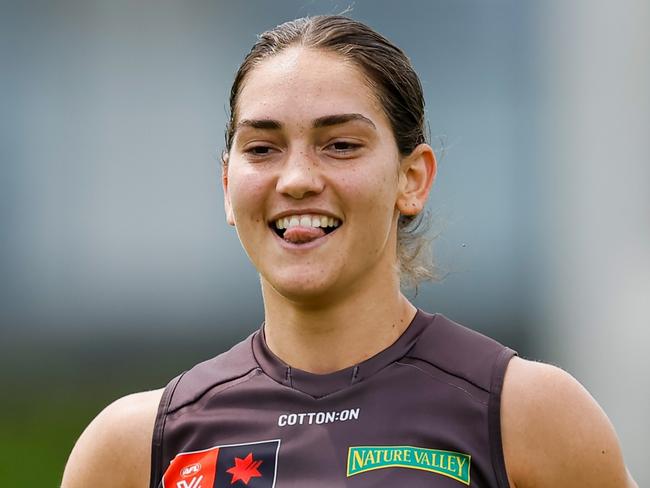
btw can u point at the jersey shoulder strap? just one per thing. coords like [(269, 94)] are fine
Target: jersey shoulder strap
[(232, 364), (462, 352), (191, 385), (477, 359)]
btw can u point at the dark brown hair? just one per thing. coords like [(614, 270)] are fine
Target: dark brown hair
[(397, 88)]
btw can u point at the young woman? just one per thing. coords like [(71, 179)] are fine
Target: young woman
[(325, 173)]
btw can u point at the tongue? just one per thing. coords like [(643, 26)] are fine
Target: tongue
[(300, 235)]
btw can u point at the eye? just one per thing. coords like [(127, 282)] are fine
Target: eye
[(342, 147), (259, 150)]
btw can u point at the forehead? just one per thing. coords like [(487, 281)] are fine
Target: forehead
[(301, 84)]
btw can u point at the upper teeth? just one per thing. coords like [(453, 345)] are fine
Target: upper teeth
[(306, 221)]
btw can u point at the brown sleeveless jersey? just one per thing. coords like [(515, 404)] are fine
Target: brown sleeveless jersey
[(424, 412)]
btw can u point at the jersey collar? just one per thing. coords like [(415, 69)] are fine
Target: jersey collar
[(320, 385)]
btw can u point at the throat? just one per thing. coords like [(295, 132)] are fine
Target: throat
[(322, 342)]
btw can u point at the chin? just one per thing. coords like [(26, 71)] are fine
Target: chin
[(308, 288)]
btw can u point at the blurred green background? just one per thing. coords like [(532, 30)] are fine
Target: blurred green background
[(118, 270), (56, 392)]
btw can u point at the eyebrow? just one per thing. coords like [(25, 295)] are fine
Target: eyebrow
[(339, 119), (268, 124), (320, 122)]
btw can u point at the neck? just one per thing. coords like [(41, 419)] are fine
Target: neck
[(332, 336)]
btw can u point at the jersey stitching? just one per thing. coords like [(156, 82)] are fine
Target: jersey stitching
[(444, 382), (159, 431), (494, 417), (226, 385), (451, 373)]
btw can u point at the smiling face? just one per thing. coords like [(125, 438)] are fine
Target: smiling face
[(313, 180)]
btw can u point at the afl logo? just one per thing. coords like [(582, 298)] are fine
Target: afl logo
[(190, 470)]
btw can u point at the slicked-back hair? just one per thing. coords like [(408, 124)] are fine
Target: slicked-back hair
[(397, 87)]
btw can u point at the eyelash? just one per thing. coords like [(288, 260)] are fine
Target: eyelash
[(349, 148), (252, 151)]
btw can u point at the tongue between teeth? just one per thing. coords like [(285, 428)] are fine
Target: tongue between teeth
[(300, 234)]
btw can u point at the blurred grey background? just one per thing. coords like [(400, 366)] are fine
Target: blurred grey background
[(118, 270)]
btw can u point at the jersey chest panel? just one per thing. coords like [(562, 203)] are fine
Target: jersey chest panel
[(410, 424)]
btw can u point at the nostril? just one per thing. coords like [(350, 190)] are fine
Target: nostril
[(299, 180)]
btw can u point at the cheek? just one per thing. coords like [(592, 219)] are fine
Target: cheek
[(374, 193), (246, 191)]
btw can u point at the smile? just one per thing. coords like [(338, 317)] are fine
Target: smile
[(303, 228)]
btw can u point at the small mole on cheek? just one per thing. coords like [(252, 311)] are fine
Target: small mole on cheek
[(603, 451)]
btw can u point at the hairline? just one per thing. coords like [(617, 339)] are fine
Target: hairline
[(300, 44)]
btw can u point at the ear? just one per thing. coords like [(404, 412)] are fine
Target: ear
[(417, 172), (230, 218)]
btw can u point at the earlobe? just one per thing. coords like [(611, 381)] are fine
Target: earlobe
[(230, 218), (417, 173)]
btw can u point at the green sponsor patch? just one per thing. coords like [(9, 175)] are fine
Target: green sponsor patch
[(455, 465)]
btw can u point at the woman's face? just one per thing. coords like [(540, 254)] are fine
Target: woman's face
[(312, 149)]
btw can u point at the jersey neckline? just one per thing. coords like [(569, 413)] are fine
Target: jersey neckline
[(320, 385)]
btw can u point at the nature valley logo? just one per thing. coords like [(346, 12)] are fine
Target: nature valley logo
[(455, 465)]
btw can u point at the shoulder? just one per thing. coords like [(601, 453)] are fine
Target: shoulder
[(554, 433), (115, 449)]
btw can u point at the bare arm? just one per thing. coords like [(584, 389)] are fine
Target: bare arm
[(555, 435), (115, 449)]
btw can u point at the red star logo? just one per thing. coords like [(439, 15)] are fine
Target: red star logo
[(245, 469)]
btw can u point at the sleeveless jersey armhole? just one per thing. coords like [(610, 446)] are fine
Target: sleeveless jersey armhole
[(159, 427), (494, 416)]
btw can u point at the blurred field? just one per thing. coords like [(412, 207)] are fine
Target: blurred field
[(36, 441), (58, 391)]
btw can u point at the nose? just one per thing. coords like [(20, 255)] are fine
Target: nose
[(300, 175)]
